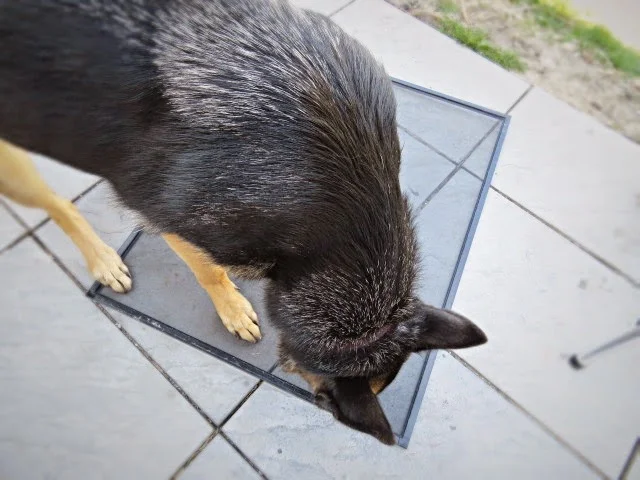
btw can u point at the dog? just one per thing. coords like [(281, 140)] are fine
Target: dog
[(256, 138)]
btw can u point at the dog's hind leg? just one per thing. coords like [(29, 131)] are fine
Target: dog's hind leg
[(21, 182), (235, 311)]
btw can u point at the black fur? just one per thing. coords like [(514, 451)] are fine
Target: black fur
[(260, 133)]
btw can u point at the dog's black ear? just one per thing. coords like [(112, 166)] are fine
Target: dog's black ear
[(435, 328), (352, 402)]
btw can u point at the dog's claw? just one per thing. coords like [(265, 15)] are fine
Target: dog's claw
[(238, 316), (124, 269)]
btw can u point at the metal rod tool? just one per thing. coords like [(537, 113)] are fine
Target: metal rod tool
[(578, 361)]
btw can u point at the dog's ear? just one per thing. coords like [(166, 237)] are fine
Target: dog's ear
[(435, 328), (352, 402)]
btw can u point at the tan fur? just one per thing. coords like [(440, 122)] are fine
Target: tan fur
[(248, 272), (235, 311), (21, 182), (316, 382), (378, 384)]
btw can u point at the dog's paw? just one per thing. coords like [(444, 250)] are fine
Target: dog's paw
[(238, 316), (107, 267)]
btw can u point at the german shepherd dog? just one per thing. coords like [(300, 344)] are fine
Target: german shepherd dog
[(256, 138)]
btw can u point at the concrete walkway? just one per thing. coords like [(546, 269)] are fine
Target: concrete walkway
[(554, 269)]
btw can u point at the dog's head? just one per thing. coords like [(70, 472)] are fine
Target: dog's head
[(346, 374)]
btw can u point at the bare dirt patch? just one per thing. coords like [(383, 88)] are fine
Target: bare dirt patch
[(552, 61)]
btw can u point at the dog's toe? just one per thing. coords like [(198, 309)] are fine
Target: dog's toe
[(244, 326), (250, 333), (238, 316), (107, 267)]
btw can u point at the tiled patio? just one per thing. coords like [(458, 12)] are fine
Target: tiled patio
[(554, 269)]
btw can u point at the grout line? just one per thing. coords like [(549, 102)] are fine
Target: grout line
[(73, 200), (230, 415), (243, 455), (470, 172), (207, 441), (157, 366), (633, 457), (419, 139), (41, 223), (87, 190), (341, 8), (458, 166), (479, 142), (634, 283), (529, 415), (520, 98), (194, 454), (241, 403), (437, 190), (30, 231), (56, 260), (586, 250), (122, 330), (15, 242), (15, 216)]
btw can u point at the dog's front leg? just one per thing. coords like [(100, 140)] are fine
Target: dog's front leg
[(21, 182), (235, 311)]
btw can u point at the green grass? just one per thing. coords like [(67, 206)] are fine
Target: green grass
[(448, 6), (556, 15), (478, 41)]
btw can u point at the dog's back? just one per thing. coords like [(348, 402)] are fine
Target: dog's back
[(275, 120), (73, 87)]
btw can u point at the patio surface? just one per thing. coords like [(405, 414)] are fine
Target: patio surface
[(554, 269)]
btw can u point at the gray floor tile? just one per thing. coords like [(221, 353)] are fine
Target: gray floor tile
[(451, 129), (219, 461), (442, 226), (577, 174), (416, 52), (10, 229), (479, 160), (65, 181), (421, 170), (110, 222), (215, 386), (465, 429), (539, 299), (165, 289), (78, 399)]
